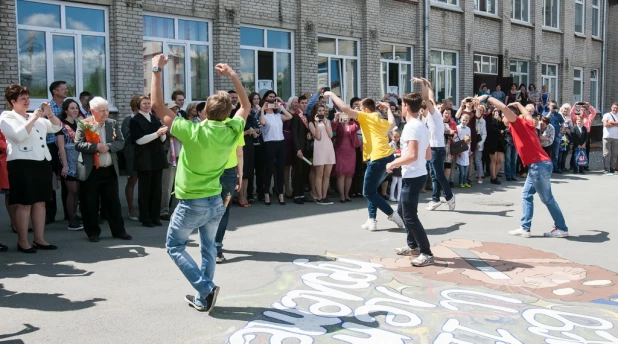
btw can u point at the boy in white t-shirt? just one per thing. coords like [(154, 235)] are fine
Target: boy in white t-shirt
[(415, 151), (463, 161), (610, 139)]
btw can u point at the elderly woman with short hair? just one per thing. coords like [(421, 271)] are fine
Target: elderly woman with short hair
[(28, 164)]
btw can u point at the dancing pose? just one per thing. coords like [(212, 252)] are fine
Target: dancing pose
[(207, 146)]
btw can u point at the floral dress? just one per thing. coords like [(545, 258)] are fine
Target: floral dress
[(68, 130)]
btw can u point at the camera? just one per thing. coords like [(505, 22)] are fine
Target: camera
[(320, 118), (468, 100), (580, 103), (343, 118)]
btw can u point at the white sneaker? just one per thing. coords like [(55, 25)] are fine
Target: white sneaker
[(451, 203), (520, 232), (370, 225), (392, 199), (423, 260), (397, 219), (556, 233), (408, 251), (480, 181), (433, 205)]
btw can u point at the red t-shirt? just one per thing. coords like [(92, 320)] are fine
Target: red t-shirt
[(527, 142)]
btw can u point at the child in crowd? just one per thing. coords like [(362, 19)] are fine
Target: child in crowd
[(463, 161), (396, 175), (565, 145)]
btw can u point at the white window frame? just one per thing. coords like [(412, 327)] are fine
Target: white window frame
[(521, 14), (454, 97), (477, 5), (546, 78), (519, 73), (490, 60), (580, 80), (167, 92), (581, 3), (344, 58), (77, 34), (597, 27), (409, 63), (594, 85), (446, 4), (557, 3)]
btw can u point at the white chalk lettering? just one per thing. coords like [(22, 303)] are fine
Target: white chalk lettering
[(248, 334), (453, 325), (304, 322), (573, 337), (376, 335), (530, 316), (362, 313), (315, 278), (448, 304)]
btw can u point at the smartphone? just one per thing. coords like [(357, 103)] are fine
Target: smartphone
[(43, 106), (468, 100), (320, 117), (343, 118), (580, 103), (326, 89), (271, 106)]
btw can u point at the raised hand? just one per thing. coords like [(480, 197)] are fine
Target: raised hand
[(224, 69), (159, 60)]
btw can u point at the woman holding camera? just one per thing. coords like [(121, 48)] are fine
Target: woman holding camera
[(323, 151), (28, 164), (272, 115), (345, 153)]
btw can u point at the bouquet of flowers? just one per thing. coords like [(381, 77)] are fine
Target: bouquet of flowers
[(91, 134)]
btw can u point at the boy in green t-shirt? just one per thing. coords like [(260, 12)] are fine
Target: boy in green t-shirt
[(207, 147)]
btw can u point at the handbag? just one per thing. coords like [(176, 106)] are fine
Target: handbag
[(458, 147), (580, 157)]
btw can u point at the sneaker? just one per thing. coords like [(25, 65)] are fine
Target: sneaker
[(556, 233), (451, 203), (75, 227), (407, 251), (462, 185), (480, 181), (370, 225), (467, 185), (220, 257), (433, 205), (422, 260), (495, 181), (324, 202), (520, 232), (397, 219), (211, 299), (392, 200), (195, 303)]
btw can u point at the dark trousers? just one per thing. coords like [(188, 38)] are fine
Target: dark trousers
[(149, 190), (562, 159), (64, 192), (359, 174), (275, 163), (436, 169), (258, 177), (299, 179), (50, 205), (228, 181), (408, 210), (103, 183), (374, 176)]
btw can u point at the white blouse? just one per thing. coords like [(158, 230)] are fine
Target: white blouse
[(22, 145), (273, 130)]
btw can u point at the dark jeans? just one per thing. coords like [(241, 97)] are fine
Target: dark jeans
[(439, 181), (299, 178), (555, 158), (102, 183), (149, 191), (228, 181), (374, 175), (408, 210), (259, 161), (275, 163), (562, 160)]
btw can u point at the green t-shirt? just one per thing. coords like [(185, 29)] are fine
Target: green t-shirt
[(206, 149), (233, 162)]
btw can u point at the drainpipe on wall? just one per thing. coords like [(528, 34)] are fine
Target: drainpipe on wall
[(426, 37), (603, 56)]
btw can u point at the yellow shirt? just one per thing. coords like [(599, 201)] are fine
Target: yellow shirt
[(375, 136)]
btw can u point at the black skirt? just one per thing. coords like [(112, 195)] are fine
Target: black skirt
[(30, 181), (248, 155)]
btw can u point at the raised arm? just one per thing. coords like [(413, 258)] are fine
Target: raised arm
[(313, 100), (285, 114), (245, 105), (510, 115), (343, 107), (166, 115), (391, 117), (262, 118), (428, 94)]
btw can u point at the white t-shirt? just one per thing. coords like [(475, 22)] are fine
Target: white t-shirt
[(463, 159), (415, 130), (612, 132), (436, 129)]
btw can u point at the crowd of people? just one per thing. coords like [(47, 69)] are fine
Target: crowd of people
[(244, 149)]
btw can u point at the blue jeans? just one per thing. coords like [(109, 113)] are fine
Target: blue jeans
[(374, 176), (538, 180), (556, 150), (408, 210), (463, 174), (510, 161), (203, 214), (228, 181), (438, 179)]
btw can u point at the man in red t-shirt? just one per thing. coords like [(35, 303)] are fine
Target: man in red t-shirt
[(528, 145)]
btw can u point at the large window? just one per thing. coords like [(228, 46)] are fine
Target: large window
[(594, 88), (396, 68), (62, 41), (521, 10), (447, 2), (580, 13), (549, 73), (578, 84), (267, 60), (520, 71), (488, 6), (551, 9), (444, 74), (485, 64), (596, 18), (338, 65), (186, 43)]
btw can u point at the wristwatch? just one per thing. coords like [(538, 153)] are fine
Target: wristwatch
[(156, 69)]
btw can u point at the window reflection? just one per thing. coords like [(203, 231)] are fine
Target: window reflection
[(38, 14), (251, 36), (150, 50), (278, 39), (85, 19), (158, 27), (284, 75), (192, 30), (93, 65), (247, 69), (64, 61), (176, 67), (200, 72), (33, 62)]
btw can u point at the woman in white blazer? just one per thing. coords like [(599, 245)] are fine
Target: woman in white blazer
[(28, 164)]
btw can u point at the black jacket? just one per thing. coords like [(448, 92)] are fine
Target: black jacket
[(299, 134), (149, 156), (579, 137)]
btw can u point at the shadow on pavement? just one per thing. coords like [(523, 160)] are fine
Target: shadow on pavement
[(42, 302), (602, 236), (258, 256), (502, 213), (28, 329)]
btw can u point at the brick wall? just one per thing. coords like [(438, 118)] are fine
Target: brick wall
[(8, 42), (611, 72)]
